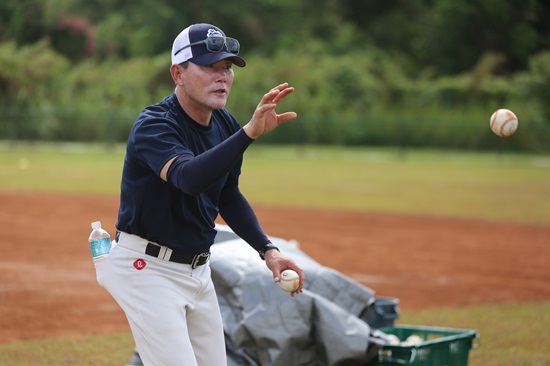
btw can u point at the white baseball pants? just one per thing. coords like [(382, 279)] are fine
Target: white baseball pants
[(172, 308)]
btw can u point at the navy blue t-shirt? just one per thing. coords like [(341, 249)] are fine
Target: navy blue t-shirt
[(161, 211)]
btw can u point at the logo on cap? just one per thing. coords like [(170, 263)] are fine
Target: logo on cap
[(214, 33)]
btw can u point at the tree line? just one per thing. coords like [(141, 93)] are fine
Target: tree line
[(81, 70)]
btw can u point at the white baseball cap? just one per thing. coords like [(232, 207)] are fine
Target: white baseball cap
[(205, 44)]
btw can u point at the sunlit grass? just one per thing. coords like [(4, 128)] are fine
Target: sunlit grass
[(485, 186), (69, 168), (490, 186), (510, 334)]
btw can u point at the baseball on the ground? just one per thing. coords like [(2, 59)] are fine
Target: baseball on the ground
[(289, 280), (504, 122)]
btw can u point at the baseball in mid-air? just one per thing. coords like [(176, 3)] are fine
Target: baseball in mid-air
[(289, 280), (504, 122)]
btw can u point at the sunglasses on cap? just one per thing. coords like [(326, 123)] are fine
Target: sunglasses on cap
[(215, 44)]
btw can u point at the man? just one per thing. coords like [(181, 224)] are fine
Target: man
[(181, 170)]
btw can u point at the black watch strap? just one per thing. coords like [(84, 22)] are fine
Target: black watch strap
[(267, 247)]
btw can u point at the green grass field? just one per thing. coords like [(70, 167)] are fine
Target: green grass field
[(488, 186), (511, 334)]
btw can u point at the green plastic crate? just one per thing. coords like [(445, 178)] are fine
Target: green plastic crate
[(440, 347)]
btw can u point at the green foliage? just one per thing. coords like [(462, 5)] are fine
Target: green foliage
[(366, 99), (45, 99), (400, 73), (29, 73), (30, 78), (536, 83), (445, 36), (360, 98)]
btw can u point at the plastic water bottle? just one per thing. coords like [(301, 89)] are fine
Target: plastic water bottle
[(100, 241)]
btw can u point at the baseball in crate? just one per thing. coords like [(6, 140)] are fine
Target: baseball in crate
[(426, 346)]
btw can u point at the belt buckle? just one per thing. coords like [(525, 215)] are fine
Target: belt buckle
[(200, 259)]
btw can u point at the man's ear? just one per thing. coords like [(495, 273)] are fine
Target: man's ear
[(176, 72)]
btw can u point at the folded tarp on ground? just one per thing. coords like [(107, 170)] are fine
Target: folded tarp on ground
[(264, 325)]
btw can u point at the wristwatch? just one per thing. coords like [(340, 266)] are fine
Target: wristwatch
[(267, 247)]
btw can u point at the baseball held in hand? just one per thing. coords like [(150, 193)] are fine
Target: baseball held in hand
[(504, 122), (289, 280)]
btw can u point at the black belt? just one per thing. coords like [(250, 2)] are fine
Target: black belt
[(179, 257)]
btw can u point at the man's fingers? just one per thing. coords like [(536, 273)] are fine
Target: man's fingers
[(282, 94), (283, 117), (265, 107), (276, 94), (280, 86)]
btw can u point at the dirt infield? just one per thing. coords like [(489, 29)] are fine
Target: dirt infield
[(48, 287)]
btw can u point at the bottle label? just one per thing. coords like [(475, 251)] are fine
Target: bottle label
[(100, 247)]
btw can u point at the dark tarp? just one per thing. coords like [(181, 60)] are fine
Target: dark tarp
[(324, 325)]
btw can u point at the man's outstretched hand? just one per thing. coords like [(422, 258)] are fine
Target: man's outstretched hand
[(265, 118)]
